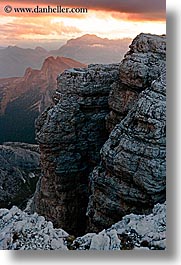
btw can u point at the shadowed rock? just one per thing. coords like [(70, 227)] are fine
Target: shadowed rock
[(132, 173), (71, 134), (19, 172)]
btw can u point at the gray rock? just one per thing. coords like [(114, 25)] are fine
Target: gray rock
[(144, 61), (132, 176), (19, 172), (132, 173), (142, 64), (20, 231), (144, 232), (71, 134)]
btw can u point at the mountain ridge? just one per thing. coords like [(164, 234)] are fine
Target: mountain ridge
[(30, 95), (91, 49), (94, 50)]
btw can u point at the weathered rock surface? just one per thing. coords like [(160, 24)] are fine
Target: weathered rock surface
[(142, 64), (19, 172), (71, 134), (133, 232), (20, 231), (132, 173)]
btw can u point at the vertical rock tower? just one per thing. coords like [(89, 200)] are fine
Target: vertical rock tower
[(71, 134), (132, 174)]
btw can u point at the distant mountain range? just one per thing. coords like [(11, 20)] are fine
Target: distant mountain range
[(92, 49), (15, 60), (86, 49), (23, 98), (28, 78)]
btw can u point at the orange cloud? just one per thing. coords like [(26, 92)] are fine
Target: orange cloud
[(112, 19), (41, 27), (140, 17), (135, 9)]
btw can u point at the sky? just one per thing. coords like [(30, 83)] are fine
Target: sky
[(113, 19)]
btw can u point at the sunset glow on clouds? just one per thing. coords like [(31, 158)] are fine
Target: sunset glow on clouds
[(111, 19)]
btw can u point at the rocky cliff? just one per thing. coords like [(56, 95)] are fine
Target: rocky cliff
[(71, 134), (142, 64), (19, 172), (130, 173)]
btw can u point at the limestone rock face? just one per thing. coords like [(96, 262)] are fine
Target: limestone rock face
[(132, 173), (19, 172), (133, 232), (20, 231), (142, 64), (128, 174), (71, 134)]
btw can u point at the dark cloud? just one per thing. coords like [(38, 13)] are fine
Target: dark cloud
[(146, 8)]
